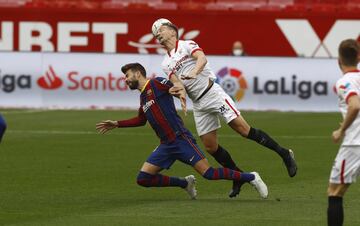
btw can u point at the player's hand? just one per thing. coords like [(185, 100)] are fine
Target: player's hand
[(191, 75), (176, 90), (179, 91), (337, 135), (106, 126)]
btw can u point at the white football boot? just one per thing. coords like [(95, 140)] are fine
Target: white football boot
[(259, 185), (190, 188)]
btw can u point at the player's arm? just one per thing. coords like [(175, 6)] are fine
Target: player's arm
[(178, 90), (201, 61), (108, 125), (353, 103)]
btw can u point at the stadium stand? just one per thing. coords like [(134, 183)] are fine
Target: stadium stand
[(209, 5)]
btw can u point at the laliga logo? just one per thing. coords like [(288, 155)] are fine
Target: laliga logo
[(233, 82), (50, 80), (145, 41)]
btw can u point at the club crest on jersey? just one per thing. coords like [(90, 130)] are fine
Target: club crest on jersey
[(149, 92), (147, 105), (343, 89)]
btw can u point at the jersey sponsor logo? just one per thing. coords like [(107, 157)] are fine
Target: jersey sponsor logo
[(50, 80), (180, 62), (147, 105)]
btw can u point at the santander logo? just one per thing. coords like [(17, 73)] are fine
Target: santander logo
[(75, 80), (50, 80)]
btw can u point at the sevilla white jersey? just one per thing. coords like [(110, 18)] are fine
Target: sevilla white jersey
[(180, 62), (346, 87)]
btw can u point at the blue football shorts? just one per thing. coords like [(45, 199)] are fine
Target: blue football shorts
[(183, 148)]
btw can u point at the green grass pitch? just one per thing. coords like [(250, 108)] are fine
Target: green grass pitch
[(56, 170)]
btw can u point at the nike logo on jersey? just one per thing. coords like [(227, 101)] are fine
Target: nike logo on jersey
[(164, 81)]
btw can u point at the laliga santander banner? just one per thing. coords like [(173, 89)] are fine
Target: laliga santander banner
[(114, 31), (59, 80), (48, 80)]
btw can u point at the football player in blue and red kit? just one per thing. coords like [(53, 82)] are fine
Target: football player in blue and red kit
[(176, 142), (2, 127)]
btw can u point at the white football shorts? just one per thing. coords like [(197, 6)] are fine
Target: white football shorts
[(346, 167), (214, 104)]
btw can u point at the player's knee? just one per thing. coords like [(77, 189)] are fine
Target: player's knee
[(338, 190), (209, 174), (211, 146), (144, 179)]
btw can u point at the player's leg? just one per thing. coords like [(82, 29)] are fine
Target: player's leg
[(191, 154), (220, 154), (2, 127), (227, 110), (210, 173), (149, 176), (242, 127), (207, 125), (345, 170), (159, 159), (335, 211)]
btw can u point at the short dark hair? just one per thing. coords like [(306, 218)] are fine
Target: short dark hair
[(349, 51), (134, 67)]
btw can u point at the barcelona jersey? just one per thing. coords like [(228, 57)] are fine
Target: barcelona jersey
[(157, 106)]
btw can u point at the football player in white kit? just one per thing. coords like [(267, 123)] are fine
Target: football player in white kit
[(186, 61), (346, 167)]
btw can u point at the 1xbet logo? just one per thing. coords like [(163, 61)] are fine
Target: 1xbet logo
[(309, 44)]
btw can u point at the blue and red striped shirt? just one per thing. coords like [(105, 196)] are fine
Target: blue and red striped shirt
[(158, 108)]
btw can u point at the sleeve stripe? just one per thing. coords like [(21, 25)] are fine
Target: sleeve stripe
[(197, 49), (349, 95)]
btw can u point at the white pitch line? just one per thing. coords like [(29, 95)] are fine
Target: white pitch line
[(21, 112), (64, 132)]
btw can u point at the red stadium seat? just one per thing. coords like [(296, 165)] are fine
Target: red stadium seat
[(191, 6), (115, 5), (281, 3), (138, 6), (298, 7), (247, 6), (164, 6), (12, 3), (323, 7), (271, 8), (217, 6)]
